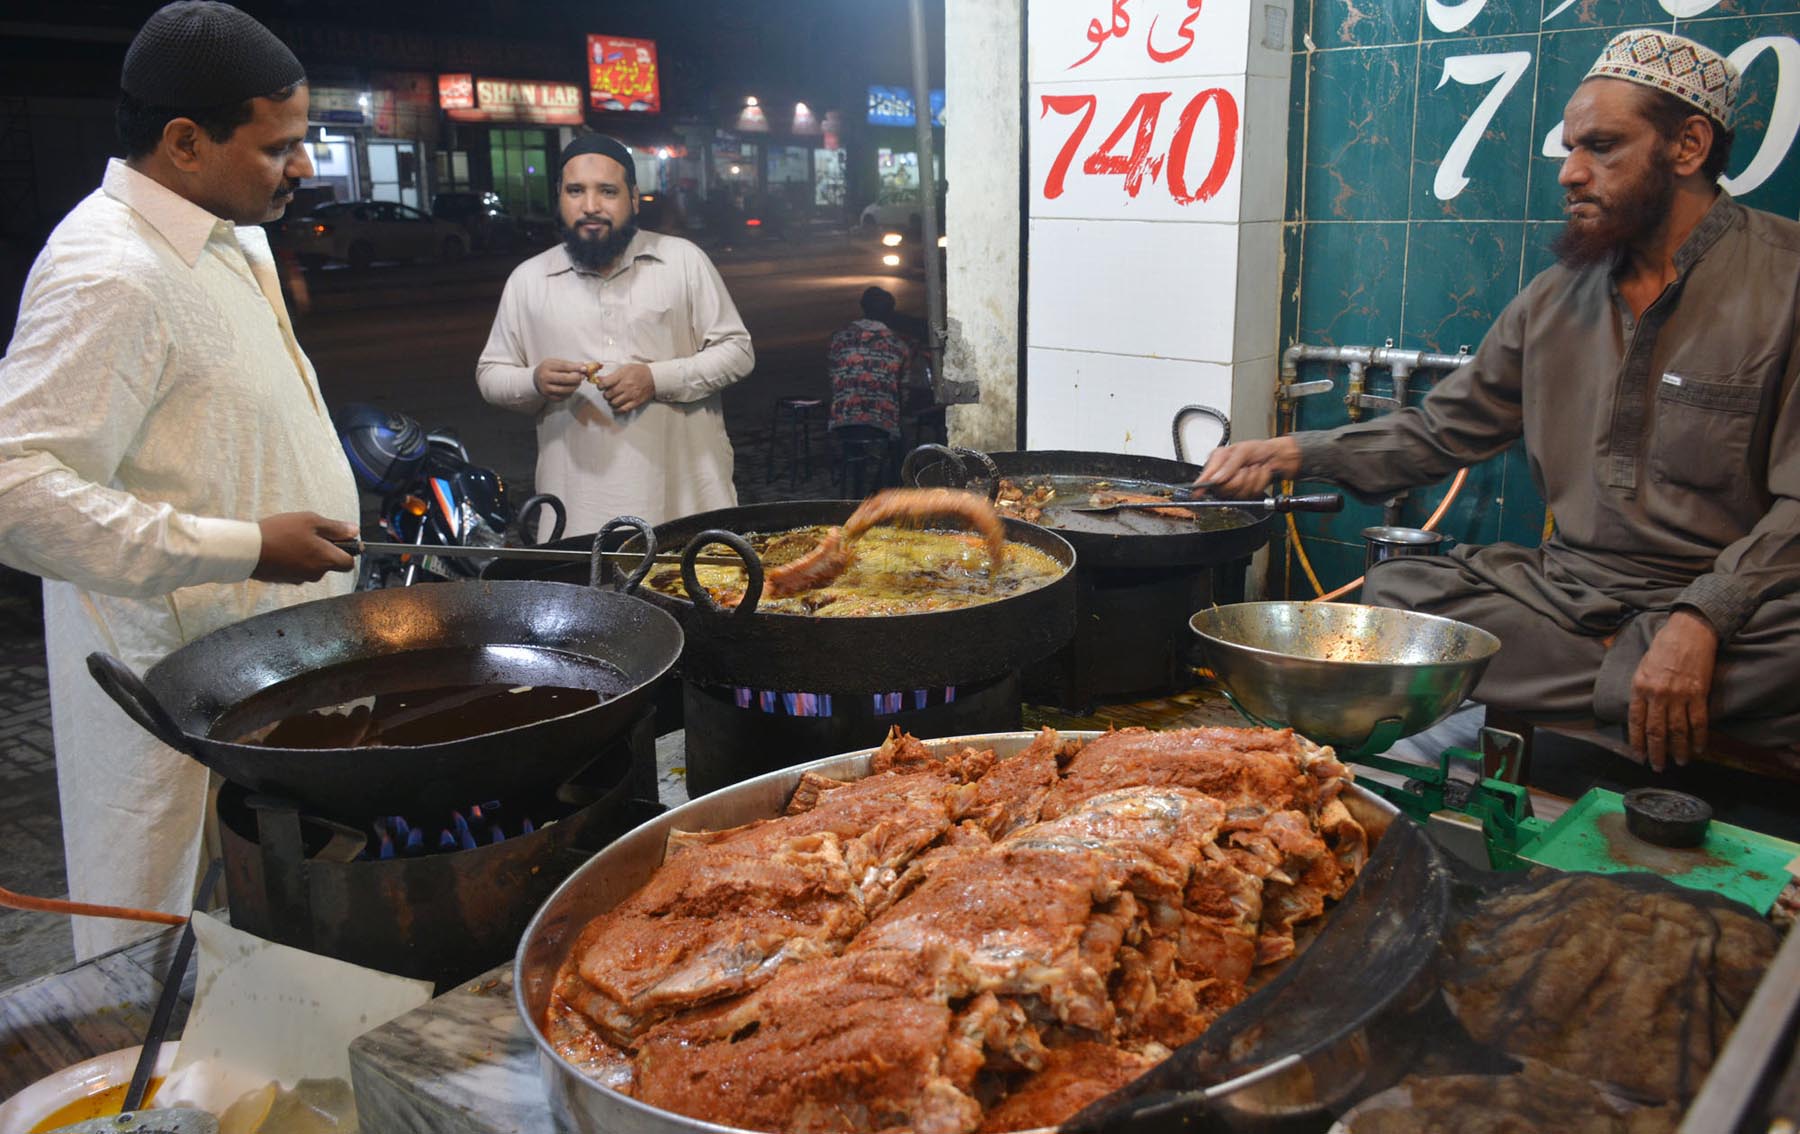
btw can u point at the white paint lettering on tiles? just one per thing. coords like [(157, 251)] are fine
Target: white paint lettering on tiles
[(1503, 69), (1784, 116)]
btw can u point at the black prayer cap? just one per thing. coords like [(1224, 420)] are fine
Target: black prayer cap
[(199, 54), (605, 146)]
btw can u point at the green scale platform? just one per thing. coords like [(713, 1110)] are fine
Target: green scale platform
[(1591, 835)]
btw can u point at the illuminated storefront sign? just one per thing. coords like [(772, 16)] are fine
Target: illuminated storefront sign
[(893, 106), (622, 74), (469, 99)]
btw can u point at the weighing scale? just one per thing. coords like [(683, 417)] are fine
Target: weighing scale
[(1483, 818)]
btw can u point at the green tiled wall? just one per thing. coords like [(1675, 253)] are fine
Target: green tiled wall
[(1371, 252)]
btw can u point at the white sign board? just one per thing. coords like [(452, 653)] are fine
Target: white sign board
[(1140, 115)]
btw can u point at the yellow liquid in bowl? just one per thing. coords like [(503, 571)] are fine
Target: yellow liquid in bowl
[(97, 1105)]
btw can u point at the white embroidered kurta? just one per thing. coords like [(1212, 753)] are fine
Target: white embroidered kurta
[(153, 406), (663, 304)]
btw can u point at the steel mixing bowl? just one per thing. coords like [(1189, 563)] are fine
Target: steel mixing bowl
[(1355, 677)]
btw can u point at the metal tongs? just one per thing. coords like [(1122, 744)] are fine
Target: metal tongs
[(539, 554), (1317, 502)]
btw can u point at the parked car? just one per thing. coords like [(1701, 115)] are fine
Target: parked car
[(361, 232), (900, 208), (483, 219)]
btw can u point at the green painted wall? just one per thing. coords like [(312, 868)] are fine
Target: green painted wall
[(1373, 251)]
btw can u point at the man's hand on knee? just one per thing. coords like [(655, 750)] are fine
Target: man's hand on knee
[(1669, 691)]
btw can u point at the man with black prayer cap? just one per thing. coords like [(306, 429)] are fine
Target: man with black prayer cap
[(166, 459), (620, 342), (1655, 377)]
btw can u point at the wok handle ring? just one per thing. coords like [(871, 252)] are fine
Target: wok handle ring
[(909, 468), (597, 559), (526, 532), (1185, 412), (128, 690), (753, 566), (987, 464)]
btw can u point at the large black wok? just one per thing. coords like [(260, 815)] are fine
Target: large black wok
[(1121, 539), (745, 646), (398, 640)]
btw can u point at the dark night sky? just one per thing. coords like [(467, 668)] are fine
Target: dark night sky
[(822, 50)]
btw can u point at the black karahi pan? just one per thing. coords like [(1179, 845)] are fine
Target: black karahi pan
[(398, 640), (1115, 539), (746, 646)]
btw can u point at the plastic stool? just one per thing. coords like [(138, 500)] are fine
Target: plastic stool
[(790, 428)]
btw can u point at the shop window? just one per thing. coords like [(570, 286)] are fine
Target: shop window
[(334, 163), (521, 171), (898, 170), (828, 178), (734, 165), (394, 172), (452, 167)]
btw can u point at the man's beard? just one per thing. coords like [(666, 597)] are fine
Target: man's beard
[(1627, 221), (594, 254)]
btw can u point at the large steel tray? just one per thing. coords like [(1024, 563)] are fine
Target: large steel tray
[(581, 1104)]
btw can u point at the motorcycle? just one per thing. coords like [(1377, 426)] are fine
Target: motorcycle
[(433, 494)]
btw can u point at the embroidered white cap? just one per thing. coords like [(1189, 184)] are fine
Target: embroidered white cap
[(1692, 72)]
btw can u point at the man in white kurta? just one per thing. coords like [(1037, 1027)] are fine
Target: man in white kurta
[(659, 312), (162, 439)]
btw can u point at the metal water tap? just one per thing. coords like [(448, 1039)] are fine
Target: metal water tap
[(1354, 397), (1288, 388)]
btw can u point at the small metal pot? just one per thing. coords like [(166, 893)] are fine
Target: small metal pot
[(1397, 543)]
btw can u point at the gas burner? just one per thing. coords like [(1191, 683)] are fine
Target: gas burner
[(478, 825), (777, 703), (439, 892), (736, 732)]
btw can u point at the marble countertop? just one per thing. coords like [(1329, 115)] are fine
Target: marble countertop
[(462, 1064), (87, 1010)]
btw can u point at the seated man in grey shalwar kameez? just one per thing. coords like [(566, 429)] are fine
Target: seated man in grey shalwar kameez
[(1652, 375)]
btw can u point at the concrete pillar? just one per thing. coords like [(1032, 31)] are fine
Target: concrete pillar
[(983, 78)]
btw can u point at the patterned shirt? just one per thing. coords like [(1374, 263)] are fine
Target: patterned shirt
[(867, 363)]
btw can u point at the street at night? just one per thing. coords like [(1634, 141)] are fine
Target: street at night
[(406, 337)]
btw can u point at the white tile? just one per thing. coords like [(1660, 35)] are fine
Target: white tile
[(1124, 287), (1062, 34), (1200, 122), (1052, 387), (1257, 329), (1115, 403)]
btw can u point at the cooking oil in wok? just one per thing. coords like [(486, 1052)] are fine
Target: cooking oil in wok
[(420, 697), (895, 571)]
